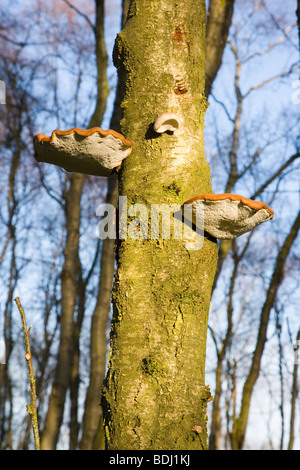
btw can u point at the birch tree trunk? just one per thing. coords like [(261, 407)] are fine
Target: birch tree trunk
[(155, 394)]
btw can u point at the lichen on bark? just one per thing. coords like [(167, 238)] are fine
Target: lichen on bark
[(154, 391)]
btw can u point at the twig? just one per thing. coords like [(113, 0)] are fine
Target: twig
[(32, 410), (79, 13)]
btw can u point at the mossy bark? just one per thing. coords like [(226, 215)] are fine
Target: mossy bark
[(155, 394)]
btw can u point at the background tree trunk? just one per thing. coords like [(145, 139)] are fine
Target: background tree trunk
[(68, 302), (155, 394), (240, 424), (295, 389), (92, 422), (218, 23), (71, 269)]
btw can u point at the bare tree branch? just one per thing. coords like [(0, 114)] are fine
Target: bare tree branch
[(32, 409), (268, 80), (83, 15), (275, 175)]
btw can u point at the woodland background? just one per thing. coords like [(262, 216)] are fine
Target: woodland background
[(48, 62)]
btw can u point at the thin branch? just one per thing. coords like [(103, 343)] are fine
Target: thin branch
[(83, 15), (253, 161), (271, 46), (277, 23), (22, 44), (295, 390), (268, 80), (8, 238), (223, 106), (275, 175), (32, 410), (49, 191)]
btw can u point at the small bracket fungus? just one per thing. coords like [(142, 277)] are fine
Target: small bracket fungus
[(167, 122), (227, 216), (92, 151)]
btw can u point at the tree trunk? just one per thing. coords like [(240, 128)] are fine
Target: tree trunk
[(216, 420), (295, 390), (218, 23), (155, 394)]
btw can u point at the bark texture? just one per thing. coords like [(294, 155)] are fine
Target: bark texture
[(295, 390), (155, 394)]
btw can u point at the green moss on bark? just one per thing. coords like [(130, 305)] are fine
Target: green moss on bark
[(154, 391)]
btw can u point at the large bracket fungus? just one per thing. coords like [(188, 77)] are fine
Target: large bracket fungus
[(93, 151), (227, 216)]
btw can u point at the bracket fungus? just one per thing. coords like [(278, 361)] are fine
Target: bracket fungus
[(167, 122), (93, 151), (227, 216)]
